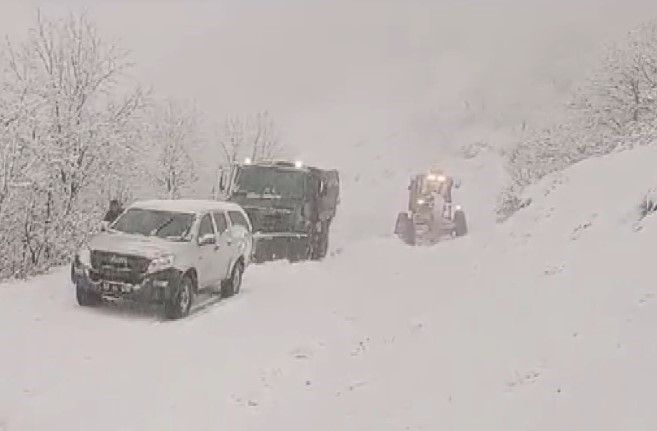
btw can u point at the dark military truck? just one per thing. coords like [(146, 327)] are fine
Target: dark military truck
[(290, 206)]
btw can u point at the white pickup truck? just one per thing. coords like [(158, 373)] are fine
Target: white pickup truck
[(166, 251)]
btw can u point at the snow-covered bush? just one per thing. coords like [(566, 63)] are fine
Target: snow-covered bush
[(509, 202), (649, 203), (472, 150)]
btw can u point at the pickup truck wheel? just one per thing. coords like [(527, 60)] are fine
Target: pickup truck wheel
[(179, 304), (85, 297), (233, 285)]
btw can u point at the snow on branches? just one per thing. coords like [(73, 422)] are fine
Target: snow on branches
[(62, 124), (615, 109), (171, 137), (255, 137), (74, 134)]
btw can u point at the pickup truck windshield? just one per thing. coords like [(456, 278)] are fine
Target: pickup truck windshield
[(163, 224), (268, 182)]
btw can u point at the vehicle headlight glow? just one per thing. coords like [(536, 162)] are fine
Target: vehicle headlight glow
[(247, 161), (84, 257), (458, 208), (298, 164), (161, 263), (432, 177), (421, 201), (441, 178)]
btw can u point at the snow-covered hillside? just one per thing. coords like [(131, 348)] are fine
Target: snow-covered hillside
[(543, 323)]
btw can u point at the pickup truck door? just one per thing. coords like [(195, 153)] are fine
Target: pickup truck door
[(225, 250), (241, 232), (208, 273)]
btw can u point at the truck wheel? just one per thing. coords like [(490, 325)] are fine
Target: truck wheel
[(324, 244), (85, 297), (321, 245), (179, 304), (460, 225)]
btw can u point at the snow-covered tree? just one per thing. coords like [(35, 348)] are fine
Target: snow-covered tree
[(255, 137), (172, 137), (63, 124), (624, 88)]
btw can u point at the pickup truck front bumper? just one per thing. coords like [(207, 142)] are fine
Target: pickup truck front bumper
[(155, 287)]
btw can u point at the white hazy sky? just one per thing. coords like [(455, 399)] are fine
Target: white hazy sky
[(339, 71)]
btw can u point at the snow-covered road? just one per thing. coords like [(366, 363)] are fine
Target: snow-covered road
[(546, 323)]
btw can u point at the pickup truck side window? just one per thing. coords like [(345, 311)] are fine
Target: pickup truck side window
[(237, 218), (220, 220), (205, 227)]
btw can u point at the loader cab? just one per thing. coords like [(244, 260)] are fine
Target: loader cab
[(415, 192)]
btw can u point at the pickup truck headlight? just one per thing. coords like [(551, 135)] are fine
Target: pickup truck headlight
[(84, 257), (161, 263)]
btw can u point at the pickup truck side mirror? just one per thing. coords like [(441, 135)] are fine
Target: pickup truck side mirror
[(104, 226), (206, 239)]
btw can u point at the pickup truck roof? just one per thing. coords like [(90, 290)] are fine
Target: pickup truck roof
[(195, 206)]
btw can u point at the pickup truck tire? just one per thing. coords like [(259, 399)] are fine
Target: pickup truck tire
[(85, 297), (179, 304), (234, 283)]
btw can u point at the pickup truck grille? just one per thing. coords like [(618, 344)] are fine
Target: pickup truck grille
[(118, 267)]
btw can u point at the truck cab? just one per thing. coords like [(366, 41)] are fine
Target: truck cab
[(291, 206)]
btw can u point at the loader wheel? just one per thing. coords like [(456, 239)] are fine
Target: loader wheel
[(460, 225), (400, 224), (405, 229)]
